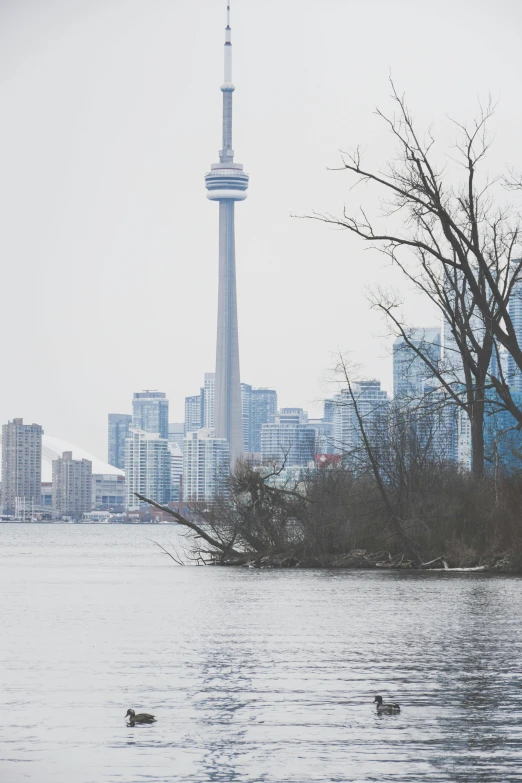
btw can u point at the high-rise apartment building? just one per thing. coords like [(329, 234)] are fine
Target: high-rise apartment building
[(246, 412), (290, 438), (72, 486), (263, 410), (21, 466), (372, 405), (176, 433), (209, 385), (150, 412), (323, 435), (438, 423), (409, 369), (119, 425), (515, 313), (176, 469), (206, 466), (147, 468), (227, 183), (194, 412)]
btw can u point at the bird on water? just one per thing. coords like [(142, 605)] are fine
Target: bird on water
[(385, 709), (141, 717)]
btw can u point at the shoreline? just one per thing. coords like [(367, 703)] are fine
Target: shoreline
[(359, 560)]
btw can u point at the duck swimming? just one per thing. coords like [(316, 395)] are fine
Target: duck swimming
[(141, 717), (386, 709)]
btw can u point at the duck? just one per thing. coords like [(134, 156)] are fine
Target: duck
[(141, 717), (386, 709)]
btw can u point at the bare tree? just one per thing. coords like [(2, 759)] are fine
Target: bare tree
[(457, 247)]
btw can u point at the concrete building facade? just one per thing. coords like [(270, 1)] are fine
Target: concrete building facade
[(206, 465), (514, 375), (409, 369), (147, 468), (150, 412), (263, 410), (371, 403), (72, 487), (289, 438), (21, 466), (118, 431), (194, 414)]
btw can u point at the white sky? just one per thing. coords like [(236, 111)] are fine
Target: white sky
[(111, 114)]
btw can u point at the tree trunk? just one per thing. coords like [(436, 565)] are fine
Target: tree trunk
[(477, 439)]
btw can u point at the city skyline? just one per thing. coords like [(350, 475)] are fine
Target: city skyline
[(123, 231)]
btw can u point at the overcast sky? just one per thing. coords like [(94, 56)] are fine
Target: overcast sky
[(111, 114)]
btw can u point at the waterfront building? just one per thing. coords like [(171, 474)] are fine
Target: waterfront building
[(209, 384), (263, 410), (514, 375), (464, 440), (176, 433), (502, 438), (246, 411), (194, 414), (108, 492), (409, 369), (372, 402), (119, 425), (21, 467), (72, 486), (147, 468), (324, 435), (150, 412), (437, 423), (108, 482), (289, 438), (176, 470), (227, 183), (206, 465), (46, 497)]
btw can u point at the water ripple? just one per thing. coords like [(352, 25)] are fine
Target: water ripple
[(253, 676)]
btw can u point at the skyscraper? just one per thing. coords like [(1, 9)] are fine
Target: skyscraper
[(515, 313), (246, 410), (206, 463), (72, 486), (119, 424), (263, 410), (208, 400), (372, 404), (147, 468), (409, 369), (21, 466), (227, 183), (194, 412), (288, 438), (150, 412)]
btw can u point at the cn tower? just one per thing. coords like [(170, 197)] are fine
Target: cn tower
[(227, 183)]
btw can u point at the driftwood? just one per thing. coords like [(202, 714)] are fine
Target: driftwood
[(445, 566)]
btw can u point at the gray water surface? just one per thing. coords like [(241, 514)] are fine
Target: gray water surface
[(253, 675)]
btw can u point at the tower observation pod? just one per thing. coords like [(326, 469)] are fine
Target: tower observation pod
[(226, 183)]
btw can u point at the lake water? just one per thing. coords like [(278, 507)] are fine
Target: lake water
[(253, 675)]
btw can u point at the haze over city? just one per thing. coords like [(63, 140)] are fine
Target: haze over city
[(111, 118)]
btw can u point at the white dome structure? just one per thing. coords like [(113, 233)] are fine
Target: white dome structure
[(53, 448)]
